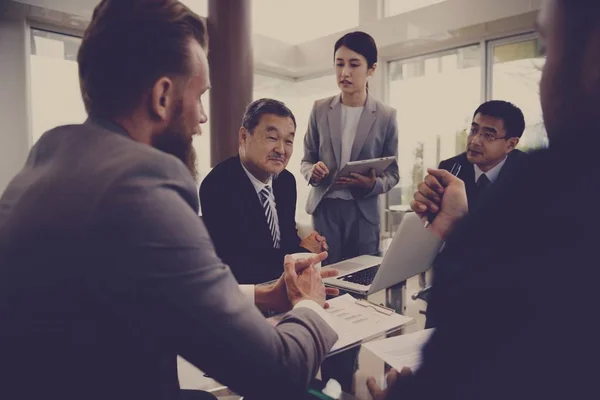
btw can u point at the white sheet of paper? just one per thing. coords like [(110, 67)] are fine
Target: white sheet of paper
[(401, 351), (354, 323)]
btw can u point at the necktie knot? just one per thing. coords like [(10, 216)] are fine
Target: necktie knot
[(483, 181), (265, 193)]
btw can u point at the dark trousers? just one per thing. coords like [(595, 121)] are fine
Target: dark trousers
[(349, 234)]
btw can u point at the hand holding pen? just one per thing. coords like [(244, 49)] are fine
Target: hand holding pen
[(441, 199), (455, 170)]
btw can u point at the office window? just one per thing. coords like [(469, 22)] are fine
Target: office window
[(55, 95), (516, 69), (395, 7), (299, 96), (435, 96)]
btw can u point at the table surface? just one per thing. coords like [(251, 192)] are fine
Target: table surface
[(400, 208), (368, 363), (352, 379)]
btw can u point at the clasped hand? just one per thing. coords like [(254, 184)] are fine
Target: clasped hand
[(300, 281)]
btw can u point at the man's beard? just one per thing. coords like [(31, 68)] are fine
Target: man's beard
[(177, 141)]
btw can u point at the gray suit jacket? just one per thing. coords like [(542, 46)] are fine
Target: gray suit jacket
[(107, 273), (376, 136)]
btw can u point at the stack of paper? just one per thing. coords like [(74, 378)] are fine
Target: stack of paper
[(401, 351), (356, 321)]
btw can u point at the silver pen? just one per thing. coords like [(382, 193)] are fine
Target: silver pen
[(455, 170)]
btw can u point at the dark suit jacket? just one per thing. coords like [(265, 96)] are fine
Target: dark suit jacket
[(508, 322), (107, 274), (467, 172), (237, 224)]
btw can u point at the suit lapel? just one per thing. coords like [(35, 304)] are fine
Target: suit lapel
[(251, 201), (467, 174), (334, 119), (509, 165), (367, 119)]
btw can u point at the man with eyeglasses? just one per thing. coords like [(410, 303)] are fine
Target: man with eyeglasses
[(491, 154)]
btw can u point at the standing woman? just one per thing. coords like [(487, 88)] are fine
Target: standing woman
[(349, 126)]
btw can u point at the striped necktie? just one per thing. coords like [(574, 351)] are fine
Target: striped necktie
[(265, 200)]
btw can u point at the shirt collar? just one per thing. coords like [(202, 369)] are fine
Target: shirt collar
[(258, 185), (106, 124), (492, 174)]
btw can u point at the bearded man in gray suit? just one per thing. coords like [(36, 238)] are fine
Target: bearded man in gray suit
[(124, 276)]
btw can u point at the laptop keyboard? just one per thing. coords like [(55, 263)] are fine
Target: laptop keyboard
[(363, 277)]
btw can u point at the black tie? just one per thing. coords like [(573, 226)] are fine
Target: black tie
[(483, 182)]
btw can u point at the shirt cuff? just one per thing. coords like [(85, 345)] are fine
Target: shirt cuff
[(248, 291), (316, 308)]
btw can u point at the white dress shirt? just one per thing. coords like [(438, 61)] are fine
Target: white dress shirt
[(350, 119), (258, 186), (492, 174)]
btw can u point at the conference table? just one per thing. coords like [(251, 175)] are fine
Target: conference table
[(368, 364), (350, 368)]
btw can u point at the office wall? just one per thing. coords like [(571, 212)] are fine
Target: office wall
[(15, 130)]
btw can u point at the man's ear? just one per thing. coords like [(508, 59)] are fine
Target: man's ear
[(243, 135), (512, 143), (163, 95)]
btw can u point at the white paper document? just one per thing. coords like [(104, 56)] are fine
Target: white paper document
[(401, 351), (355, 323)]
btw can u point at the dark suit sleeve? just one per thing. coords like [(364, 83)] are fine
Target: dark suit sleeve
[(167, 280), (498, 323), (445, 165), (217, 211)]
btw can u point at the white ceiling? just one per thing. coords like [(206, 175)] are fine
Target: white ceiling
[(82, 8), (445, 24)]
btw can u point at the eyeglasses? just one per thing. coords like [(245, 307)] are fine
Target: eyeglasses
[(486, 136)]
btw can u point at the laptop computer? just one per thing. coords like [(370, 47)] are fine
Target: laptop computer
[(412, 251)]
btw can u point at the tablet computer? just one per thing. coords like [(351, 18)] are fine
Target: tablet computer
[(364, 166)]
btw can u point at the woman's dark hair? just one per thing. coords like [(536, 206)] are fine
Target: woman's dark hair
[(361, 43)]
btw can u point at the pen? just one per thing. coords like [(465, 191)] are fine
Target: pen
[(377, 307), (454, 171)]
